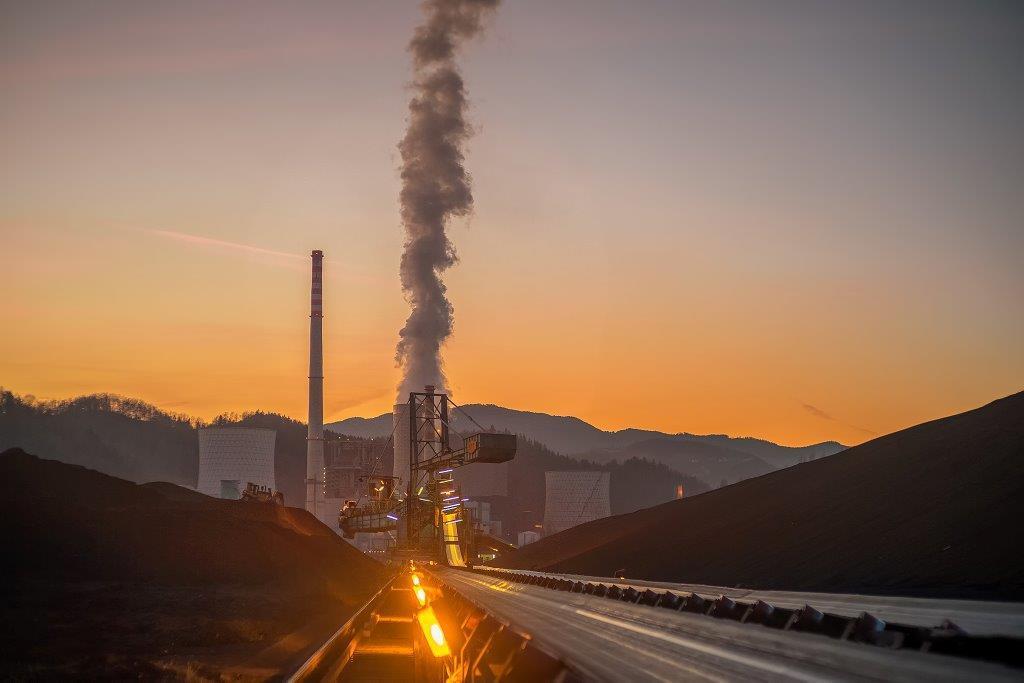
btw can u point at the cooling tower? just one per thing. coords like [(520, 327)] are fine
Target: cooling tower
[(572, 498), (235, 454), (401, 443), (315, 433)]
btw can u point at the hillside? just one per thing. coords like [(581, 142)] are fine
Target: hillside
[(146, 577), (134, 440), (930, 510), (710, 458)]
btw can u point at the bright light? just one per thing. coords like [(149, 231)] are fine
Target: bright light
[(433, 632), (415, 580), (447, 493), (445, 471), (419, 491), (392, 517), (421, 596)]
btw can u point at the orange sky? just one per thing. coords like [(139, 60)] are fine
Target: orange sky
[(694, 222)]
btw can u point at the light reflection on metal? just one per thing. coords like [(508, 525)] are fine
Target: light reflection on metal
[(433, 632)]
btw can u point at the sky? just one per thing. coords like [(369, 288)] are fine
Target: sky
[(799, 220)]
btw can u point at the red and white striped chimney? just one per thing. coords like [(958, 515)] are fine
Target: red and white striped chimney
[(315, 433)]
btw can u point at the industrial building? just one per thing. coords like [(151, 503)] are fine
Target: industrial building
[(345, 461), (231, 457), (572, 498), (528, 537), (480, 514)]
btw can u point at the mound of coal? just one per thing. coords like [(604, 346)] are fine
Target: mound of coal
[(108, 579), (60, 520), (933, 510)]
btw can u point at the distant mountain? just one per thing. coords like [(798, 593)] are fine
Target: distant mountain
[(929, 510), (713, 458), (717, 465)]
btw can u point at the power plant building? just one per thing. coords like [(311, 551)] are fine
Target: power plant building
[(528, 537), (573, 498), (231, 457), (345, 462)]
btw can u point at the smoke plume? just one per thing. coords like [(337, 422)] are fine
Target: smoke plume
[(435, 184)]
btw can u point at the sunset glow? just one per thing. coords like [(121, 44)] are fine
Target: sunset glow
[(689, 225)]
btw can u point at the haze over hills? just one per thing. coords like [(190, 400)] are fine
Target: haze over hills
[(712, 458), (133, 440), (930, 510)]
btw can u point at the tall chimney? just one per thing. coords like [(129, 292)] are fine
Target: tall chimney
[(315, 435)]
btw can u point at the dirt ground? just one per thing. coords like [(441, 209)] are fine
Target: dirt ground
[(118, 631)]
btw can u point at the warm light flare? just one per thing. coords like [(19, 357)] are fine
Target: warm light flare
[(433, 632), (421, 595)]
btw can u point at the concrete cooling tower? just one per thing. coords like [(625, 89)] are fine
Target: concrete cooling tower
[(400, 417), (231, 457), (572, 498)]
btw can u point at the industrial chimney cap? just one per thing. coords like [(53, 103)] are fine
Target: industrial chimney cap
[(317, 252)]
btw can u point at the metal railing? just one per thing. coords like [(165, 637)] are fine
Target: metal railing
[(336, 650)]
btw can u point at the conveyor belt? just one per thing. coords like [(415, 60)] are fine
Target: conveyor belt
[(608, 640)]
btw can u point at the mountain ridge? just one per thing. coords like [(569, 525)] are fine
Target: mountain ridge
[(717, 459)]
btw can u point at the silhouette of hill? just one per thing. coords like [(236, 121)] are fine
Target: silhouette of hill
[(134, 440), (929, 510), (711, 458)]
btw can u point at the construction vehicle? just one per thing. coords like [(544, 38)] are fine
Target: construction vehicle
[(262, 494)]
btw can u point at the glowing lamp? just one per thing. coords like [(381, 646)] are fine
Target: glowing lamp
[(415, 580), (421, 595), (433, 632)]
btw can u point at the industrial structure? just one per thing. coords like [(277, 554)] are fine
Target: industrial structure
[(572, 498), (315, 432), (232, 457), (527, 537), (419, 501)]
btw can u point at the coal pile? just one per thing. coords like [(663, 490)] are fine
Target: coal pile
[(111, 578), (932, 510)]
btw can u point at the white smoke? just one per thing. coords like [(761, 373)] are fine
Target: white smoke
[(435, 184)]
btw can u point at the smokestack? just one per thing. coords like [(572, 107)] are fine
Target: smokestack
[(315, 435)]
